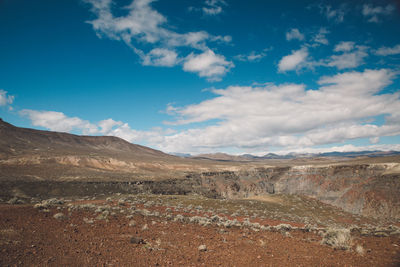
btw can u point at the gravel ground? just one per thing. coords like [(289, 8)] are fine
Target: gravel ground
[(100, 233)]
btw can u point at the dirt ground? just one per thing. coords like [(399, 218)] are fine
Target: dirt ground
[(30, 237)]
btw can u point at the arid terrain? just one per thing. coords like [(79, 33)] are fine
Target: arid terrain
[(85, 200)]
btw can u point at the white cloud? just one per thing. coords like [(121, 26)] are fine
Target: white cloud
[(386, 51), (290, 116), (5, 98), (293, 61), (374, 140), (253, 56), (320, 37), (107, 125), (373, 13), (344, 148), (213, 7), (124, 131), (57, 121), (294, 34), (287, 117), (161, 57), (147, 32), (349, 56), (344, 47), (207, 64), (333, 14), (347, 60)]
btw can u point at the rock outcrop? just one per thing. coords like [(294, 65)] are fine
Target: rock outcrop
[(367, 189)]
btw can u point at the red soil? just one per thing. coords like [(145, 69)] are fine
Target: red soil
[(29, 237)]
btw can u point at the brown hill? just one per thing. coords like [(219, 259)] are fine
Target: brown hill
[(27, 154), (16, 141)]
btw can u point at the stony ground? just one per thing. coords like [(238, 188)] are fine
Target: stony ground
[(152, 230)]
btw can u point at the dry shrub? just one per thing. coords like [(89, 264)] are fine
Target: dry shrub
[(337, 238), (360, 250)]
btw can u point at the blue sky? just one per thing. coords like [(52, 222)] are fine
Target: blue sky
[(206, 76)]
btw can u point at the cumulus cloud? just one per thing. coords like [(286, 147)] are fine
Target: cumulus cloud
[(141, 27), (5, 98), (320, 37), (213, 7), (161, 57), (373, 13), (294, 34), (344, 148), (344, 46), (253, 56), (293, 61), (387, 51), (289, 115), (336, 15), (349, 58), (58, 121), (107, 125), (207, 64), (374, 140)]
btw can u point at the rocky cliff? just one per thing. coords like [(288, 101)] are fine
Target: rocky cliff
[(367, 189)]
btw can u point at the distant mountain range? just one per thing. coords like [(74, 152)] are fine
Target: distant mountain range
[(249, 157)]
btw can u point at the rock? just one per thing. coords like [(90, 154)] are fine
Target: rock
[(89, 221), (53, 201), (132, 223), (60, 216), (145, 227), (202, 248), (381, 234), (179, 217), (137, 240), (283, 227), (102, 216), (15, 200)]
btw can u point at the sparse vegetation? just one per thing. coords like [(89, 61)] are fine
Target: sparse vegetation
[(337, 238), (360, 250)]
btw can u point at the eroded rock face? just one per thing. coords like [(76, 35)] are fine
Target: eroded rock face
[(367, 189)]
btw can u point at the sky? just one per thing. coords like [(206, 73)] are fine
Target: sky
[(206, 76)]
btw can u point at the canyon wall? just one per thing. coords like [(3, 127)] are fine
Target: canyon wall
[(367, 189)]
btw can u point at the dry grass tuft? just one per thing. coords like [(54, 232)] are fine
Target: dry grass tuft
[(360, 250), (337, 238)]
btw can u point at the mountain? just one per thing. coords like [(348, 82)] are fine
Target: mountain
[(29, 154), (15, 141), (221, 157), (296, 156)]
